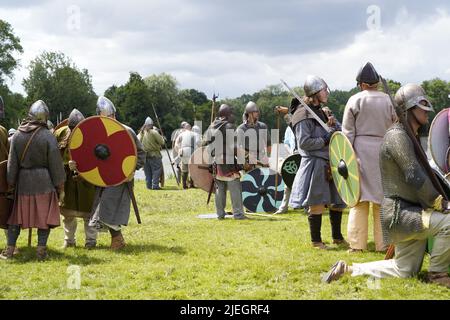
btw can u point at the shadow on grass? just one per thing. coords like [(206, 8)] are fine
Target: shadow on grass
[(78, 256), (166, 188), (140, 248), (250, 216), (262, 218), (336, 248)]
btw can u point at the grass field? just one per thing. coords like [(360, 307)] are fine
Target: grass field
[(175, 255)]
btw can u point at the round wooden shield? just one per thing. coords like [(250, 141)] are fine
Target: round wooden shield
[(260, 192), (289, 169), (199, 169), (438, 139), (63, 123), (447, 159), (345, 169), (5, 201), (104, 150)]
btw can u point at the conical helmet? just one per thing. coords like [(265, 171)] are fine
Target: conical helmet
[(38, 111), (105, 107), (148, 122), (75, 118), (367, 74)]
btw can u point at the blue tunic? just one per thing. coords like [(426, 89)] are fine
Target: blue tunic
[(311, 186)]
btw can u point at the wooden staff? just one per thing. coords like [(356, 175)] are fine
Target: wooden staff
[(134, 202), (165, 145), (276, 164), (213, 106)]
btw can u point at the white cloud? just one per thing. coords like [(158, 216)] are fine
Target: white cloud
[(412, 49)]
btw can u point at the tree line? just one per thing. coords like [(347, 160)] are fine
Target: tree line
[(54, 78)]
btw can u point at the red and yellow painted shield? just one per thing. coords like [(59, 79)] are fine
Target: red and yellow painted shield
[(63, 123), (104, 151)]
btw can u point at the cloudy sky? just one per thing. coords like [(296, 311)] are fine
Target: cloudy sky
[(236, 46)]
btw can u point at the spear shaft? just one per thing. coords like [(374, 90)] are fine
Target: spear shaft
[(165, 145)]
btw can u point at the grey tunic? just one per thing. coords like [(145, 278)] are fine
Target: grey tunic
[(42, 168), (406, 187), (254, 139), (112, 204), (311, 185)]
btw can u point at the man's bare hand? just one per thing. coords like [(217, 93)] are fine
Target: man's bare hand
[(331, 121), (73, 165), (281, 109)]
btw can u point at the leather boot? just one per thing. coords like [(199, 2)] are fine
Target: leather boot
[(335, 221), (8, 253), (41, 253), (315, 225), (439, 278), (117, 242), (69, 244), (184, 177)]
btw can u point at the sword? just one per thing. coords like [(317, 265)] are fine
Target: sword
[(210, 191), (133, 201), (315, 116)]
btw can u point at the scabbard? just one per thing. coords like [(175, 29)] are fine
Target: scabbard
[(210, 191), (134, 202)]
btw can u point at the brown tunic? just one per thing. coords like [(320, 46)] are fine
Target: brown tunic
[(35, 178)]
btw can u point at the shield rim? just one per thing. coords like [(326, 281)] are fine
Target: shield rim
[(347, 141), (431, 136), (63, 123), (191, 163), (131, 139)]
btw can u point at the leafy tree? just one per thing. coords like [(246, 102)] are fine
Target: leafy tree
[(135, 101), (393, 86), (15, 107), (14, 103), (438, 91), (338, 100), (132, 101), (165, 97), (195, 106), (196, 97), (55, 79), (9, 45)]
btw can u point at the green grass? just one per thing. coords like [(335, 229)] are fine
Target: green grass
[(175, 255)]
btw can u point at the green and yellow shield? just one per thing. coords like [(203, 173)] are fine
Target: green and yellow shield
[(345, 169)]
